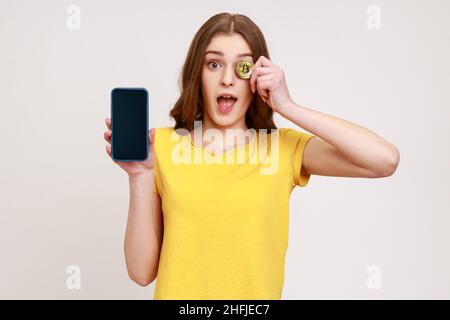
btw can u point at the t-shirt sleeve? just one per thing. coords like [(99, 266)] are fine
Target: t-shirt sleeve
[(297, 141)]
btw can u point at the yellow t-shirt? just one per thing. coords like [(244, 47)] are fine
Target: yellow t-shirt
[(226, 224)]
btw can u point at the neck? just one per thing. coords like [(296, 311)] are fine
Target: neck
[(228, 140)]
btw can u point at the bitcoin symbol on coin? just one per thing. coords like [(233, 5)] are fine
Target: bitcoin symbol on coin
[(243, 69)]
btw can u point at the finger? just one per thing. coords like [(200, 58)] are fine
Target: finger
[(265, 84), (264, 88), (257, 72), (264, 92), (108, 150), (269, 76), (108, 122), (107, 136), (263, 62), (151, 135)]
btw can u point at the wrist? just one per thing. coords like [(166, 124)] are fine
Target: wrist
[(141, 175), (284, 110)]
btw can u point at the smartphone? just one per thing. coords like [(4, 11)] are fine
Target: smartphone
[(129, 124)]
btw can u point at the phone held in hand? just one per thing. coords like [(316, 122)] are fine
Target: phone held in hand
[(129, 124)]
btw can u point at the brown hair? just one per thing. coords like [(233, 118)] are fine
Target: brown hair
[(189, 107)]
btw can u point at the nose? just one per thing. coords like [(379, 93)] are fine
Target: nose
[(228, 77)]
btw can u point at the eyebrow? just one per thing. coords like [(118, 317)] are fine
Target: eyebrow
[(220, 53)]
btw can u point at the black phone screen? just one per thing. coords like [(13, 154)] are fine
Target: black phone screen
[(129, 124)]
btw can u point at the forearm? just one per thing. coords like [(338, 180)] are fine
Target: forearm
[(143, 232), (358, 144)]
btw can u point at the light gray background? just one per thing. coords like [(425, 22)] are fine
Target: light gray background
[(64, 202)]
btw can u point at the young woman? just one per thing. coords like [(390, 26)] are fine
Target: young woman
[(220, 230)]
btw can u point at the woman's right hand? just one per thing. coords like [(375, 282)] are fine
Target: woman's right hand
[(135, 167)]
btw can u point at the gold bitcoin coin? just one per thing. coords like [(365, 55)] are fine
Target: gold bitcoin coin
[(243, 69)]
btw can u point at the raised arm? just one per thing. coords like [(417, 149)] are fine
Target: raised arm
[(342, 148)]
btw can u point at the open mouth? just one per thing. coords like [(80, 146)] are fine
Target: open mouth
[(225, 103)]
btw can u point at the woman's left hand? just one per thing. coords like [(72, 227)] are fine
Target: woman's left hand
[(268, 79)]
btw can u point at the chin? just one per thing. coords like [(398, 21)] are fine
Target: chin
[(222, 121)]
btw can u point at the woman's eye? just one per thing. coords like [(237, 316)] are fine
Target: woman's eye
[(212, 63)]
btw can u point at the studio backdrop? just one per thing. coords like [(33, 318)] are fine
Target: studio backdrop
[(64, 204)]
